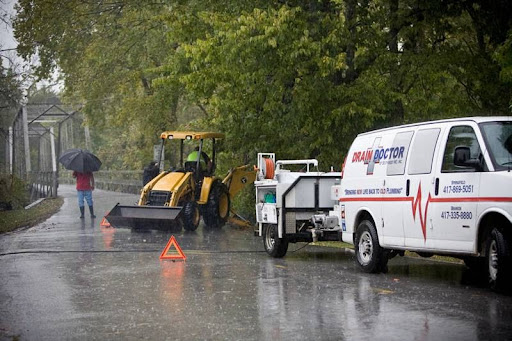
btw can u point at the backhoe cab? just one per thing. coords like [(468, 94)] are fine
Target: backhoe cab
[(188, 191)]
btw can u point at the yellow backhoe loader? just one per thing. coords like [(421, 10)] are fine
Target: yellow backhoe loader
[(180, 196)]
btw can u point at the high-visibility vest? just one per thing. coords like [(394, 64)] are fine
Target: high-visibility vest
[(192, 157)]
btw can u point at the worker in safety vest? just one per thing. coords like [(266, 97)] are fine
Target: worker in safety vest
[(205, 162)]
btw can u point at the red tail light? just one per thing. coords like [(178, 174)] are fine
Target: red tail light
[(343, 166)]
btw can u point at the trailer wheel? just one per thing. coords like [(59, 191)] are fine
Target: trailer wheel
[(498, 260), (217, 208), (190, 216), (370, 256), (275, 246)]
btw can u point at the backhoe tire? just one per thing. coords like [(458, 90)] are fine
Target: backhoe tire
[(190, 216), (275, 246), (216, 211)]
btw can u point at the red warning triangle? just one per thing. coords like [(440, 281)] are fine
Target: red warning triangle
[(172, 253), (104, 222)]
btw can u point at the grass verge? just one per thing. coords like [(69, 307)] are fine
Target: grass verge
[(11, 220)]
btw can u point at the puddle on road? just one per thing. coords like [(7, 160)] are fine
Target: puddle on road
[(409, 267)]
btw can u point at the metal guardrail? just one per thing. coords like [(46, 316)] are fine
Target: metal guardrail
[(125, 181), (42, 185)]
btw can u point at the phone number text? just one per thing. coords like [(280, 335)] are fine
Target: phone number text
[(458, 189), (456, 215)]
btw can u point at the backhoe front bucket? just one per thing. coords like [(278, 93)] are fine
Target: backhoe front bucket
[(143, 217)]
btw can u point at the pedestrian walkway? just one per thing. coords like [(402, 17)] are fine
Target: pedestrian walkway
[(64, 230)]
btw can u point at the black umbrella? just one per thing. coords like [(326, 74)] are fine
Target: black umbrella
[(80, 160)]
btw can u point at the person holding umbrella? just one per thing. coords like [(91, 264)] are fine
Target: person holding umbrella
[(84, 187), (82, 163)]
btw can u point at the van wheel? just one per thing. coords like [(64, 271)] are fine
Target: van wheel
[(498, 260), (370, 256), (275, 246), (190, 216)]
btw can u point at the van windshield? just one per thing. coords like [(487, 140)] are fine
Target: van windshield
[(498, 137)]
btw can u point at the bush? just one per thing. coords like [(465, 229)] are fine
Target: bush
[(13, 192)]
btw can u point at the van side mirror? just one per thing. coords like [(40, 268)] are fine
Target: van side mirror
[(461, 155), (462, 158)]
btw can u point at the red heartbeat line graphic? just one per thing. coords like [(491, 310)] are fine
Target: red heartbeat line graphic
[(416, 203)]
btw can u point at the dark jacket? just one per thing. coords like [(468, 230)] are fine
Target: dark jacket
[(150, 172)]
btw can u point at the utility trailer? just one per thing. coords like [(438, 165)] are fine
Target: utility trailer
[(295, 203)]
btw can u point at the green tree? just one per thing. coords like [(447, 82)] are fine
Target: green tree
[(105, 53), (298, 77), (305, 77)]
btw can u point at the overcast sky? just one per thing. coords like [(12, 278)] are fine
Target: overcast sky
[(7, 40), (6, 37)]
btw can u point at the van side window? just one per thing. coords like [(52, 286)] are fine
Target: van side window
[(396, 156), (463, 144), (422, 151)]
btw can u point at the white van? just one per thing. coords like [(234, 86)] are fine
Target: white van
[(440, 187)]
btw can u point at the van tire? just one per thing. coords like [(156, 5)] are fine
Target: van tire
[(275, 247), (370, 256), (498, 260)]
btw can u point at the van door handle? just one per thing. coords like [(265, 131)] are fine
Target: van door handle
[(437, 186), (407, 185)]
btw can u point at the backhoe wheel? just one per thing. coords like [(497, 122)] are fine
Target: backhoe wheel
[(216, 211), (370, 256), (498, 260), (190, 216), (275, 246)]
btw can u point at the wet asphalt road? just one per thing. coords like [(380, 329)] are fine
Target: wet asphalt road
[(67, 279)]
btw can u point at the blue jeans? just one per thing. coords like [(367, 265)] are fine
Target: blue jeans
[(87, 195)]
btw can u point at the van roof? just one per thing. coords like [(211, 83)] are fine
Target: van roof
[(476, 119)]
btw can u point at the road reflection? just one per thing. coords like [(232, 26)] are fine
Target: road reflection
[(172, 274), (407, 304), (86, 238), (107, 234)]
